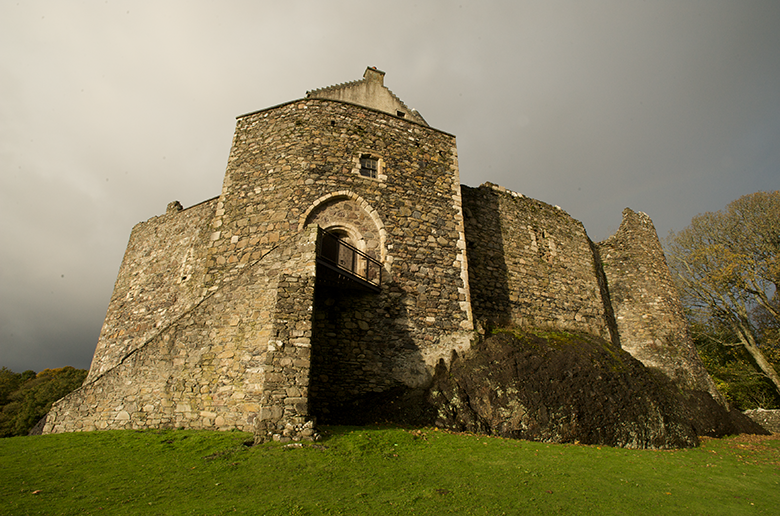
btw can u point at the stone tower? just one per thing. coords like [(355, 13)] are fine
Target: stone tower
[(330, 269)]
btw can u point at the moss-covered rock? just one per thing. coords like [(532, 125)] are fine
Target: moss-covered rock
[(561, 387)]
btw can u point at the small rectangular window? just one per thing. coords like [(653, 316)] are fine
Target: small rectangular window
[(368, 167)]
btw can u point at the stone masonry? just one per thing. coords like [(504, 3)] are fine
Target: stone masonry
[(161, 277), (531, 264), (225, 315), (648, 312)]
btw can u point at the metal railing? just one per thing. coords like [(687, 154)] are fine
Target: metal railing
[(338, 255)]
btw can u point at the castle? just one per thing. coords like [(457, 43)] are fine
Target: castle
[(343, 258)]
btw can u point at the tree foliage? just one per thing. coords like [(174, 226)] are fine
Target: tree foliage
[(734, 370), (26, 397), (728, 271)]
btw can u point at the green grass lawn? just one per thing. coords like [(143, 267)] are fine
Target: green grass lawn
[(378, 470)]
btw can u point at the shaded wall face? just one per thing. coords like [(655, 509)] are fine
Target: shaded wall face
[(530, 264), (295, 163), (359, 351), (488, 273), (161, 276)]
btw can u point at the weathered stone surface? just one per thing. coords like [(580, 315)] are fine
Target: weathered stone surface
[(568, 388), (530, 264), (160, 278), (214, 366), (213, 321), (647, 308), (769, 419)]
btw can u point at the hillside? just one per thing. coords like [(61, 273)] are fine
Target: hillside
[(378, 470)]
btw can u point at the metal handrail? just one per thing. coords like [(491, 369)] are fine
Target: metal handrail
[(348, 259)]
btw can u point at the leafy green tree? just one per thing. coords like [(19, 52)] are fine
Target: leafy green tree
[(728, 271), (10, 381), (32, 396), (733, 369)]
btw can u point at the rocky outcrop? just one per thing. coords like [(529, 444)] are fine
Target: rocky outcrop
[(561, 387), (769, 419), (554, 387)]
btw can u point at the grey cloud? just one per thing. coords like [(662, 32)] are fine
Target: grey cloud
[(109, 110)]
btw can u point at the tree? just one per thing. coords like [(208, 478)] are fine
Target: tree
[(733, 369), (10, 381), (29, 397), (728, 271)]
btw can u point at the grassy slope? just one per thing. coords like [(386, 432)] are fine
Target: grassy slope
[(379, 471)]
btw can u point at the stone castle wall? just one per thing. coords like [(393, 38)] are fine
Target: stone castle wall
[(238, 350), (530, 264), (297, 163), (222, 317), (769, 419), (182, 289), (160, 278)]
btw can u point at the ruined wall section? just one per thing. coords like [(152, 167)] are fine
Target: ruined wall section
[(208, 369), (161, 277), (289, 161), (649, 315), (530, 263)]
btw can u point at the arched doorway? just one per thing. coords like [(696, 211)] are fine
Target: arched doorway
[(345, 364)]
